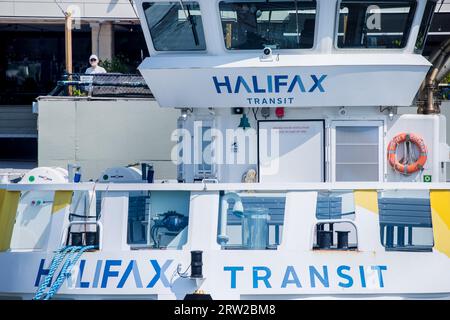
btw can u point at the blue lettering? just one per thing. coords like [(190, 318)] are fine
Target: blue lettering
[(97, 273), (255, 85), (81, 284), (269, 84), (264, 278), (279, 83), (313, 273), (233, 271), (160, 273), (297, 80), (240, 80), (41, 273), (222, 84), (362, 276), (290, 271), (317, 83), (132, 266), (108, 273), (347, 277), (274, 84), (379, 270)]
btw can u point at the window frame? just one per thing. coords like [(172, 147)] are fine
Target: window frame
[(392, 50), (383, 229), (149, 221), (380, 123), (278, 232), (176, 51), (297, 50)]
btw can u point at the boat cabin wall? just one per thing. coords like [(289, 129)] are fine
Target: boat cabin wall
[(307, 145), (223, 219), (219, 53), (214, 26)]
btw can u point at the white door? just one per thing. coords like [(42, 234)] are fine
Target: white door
[(291, 151)]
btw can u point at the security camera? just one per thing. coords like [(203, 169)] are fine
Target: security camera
[(342, 111), (267, 52)]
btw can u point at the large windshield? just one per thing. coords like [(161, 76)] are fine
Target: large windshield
[(375, 24), (175, 26), (275, 24)]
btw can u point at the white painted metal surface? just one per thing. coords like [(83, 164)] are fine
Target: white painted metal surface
[(295, 266)]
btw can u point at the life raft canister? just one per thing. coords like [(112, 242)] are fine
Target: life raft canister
[(392, 153)]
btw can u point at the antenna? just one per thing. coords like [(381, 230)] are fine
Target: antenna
[(296, 21), (60, 8), (189, 18), (132, 5)]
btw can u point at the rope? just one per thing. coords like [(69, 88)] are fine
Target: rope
[(66, 269), (61, 254), (56, 261)]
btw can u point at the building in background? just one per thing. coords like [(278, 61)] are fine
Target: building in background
[(32, 59)]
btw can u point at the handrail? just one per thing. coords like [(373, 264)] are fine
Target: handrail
[(71, 223), (198, 187)]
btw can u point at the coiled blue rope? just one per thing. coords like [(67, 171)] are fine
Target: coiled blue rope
[(73, 254), (66, 269), (56, 261)]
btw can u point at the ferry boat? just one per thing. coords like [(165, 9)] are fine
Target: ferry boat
[(311, 160)]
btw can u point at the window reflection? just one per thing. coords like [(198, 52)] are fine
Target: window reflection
[(375, 24), (175, 26), (260, 24)]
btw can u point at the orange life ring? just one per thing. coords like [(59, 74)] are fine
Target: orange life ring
[(392, 153)]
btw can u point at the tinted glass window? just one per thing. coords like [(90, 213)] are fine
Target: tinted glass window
[(375, 24), (405, 220), (425, 26), (253, 222), (158, 219), (32, 59), (175, 26), (276, 24)]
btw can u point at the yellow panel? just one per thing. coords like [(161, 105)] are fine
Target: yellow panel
[(9, 200), (440, 214), (62, 200), (367, 199)]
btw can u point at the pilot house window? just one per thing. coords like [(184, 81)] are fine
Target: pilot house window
[(175, 26), (275, 24), (374, 24)]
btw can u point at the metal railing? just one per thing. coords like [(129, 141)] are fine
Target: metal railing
[(102, 85)]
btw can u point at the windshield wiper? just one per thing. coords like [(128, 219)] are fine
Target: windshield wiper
[(191, 22)]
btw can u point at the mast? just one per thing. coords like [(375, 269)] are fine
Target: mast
[(68, 43)]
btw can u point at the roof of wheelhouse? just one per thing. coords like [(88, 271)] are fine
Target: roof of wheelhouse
[(191, 42)]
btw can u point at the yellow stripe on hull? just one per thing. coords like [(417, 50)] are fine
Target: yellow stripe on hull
[(62, 200), (9, 200), (440, 214), (367, 199)]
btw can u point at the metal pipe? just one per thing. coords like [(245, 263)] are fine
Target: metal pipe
[(445, 69), (426, 100), (238, 208), (434, 55)]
